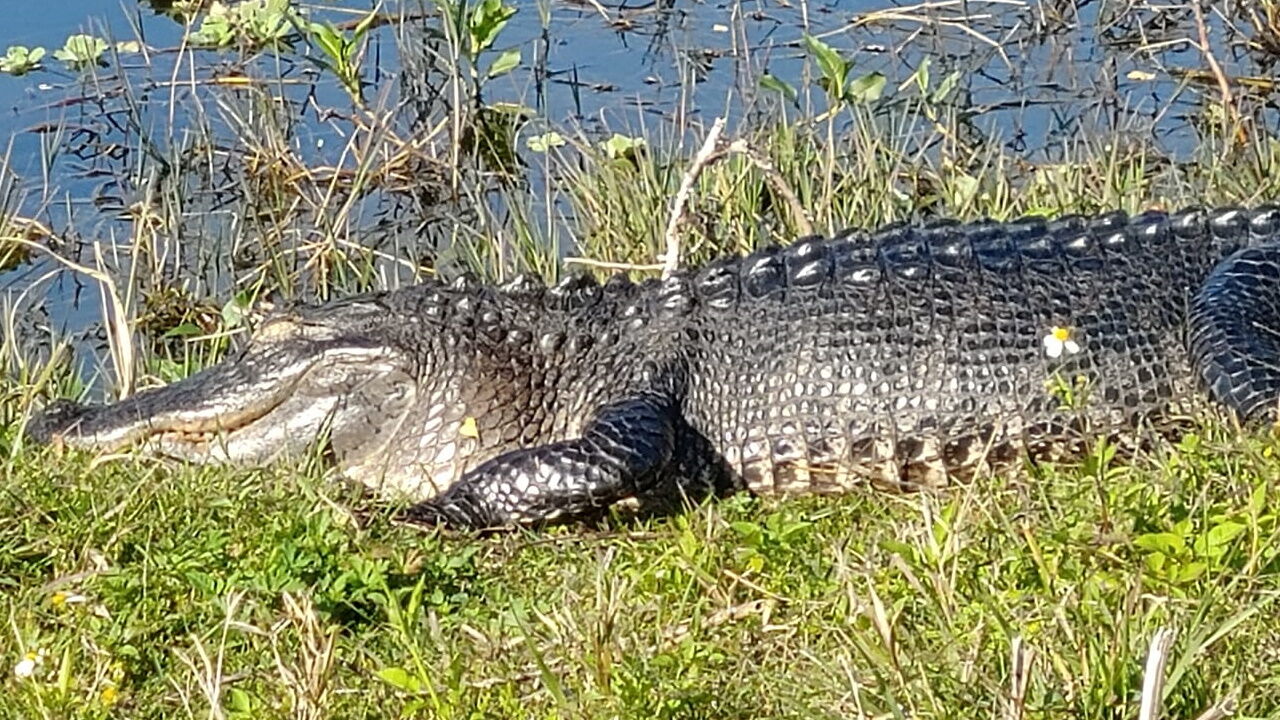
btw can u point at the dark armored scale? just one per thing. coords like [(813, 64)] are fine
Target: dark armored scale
[(911, 357)]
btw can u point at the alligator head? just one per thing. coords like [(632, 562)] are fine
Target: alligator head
[(312, 374)]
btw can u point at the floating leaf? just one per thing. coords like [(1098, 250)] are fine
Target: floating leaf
[(544, 142), (81, 51), (621, 146), (20, 60)]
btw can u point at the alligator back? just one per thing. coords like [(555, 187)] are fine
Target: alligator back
[(920, 355)]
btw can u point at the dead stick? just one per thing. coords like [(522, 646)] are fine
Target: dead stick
[(119, 340), (1219, 710), (779, 185), (671, 259), (1153, 674), (1223, 85), (1019, 678)]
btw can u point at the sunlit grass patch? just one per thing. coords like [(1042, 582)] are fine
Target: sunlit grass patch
[(253, 591)]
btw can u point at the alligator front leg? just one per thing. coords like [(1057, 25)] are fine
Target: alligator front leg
[(625, 450)]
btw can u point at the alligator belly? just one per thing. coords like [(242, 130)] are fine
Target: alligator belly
[(883, 459), (887, 460)]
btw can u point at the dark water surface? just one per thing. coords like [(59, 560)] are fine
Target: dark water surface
[(1034, 74)]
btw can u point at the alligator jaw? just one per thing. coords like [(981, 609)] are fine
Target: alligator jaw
[(250, 410)]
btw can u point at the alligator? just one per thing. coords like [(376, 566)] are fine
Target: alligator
[(911, 357)]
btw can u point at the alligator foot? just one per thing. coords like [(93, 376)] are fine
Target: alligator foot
[(626, 449)]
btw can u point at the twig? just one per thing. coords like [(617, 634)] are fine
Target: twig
[(1224, 86), (121, 344), (1019, 678), (671, 259), (1219, 710), (600, 9), (709, 153), (779, 185), (1153, 674)]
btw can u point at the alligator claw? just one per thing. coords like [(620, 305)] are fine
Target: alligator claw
[(424, 515)]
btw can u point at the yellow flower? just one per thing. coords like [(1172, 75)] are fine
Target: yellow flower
[(469, 428), (1059, 341), (109, 695)]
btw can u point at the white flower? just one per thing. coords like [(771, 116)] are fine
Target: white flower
[(1059, 341), (62, 599), (26, 667)]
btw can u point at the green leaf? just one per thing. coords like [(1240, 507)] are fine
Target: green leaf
[(400, 679), (834, 68), (945, 88), (752, 535), (238, 701), (1190, 572), (236, 310), (183, 330), (1258, 499), (1216, 542), (1156, 562), (217, 28), (363, 26), (921, 75), (769, 82), (20, 60), (964, 190), (328, 38), (505, 63), (1167, 543), (64, 672), (868, 88), (689, 544), (487, 20), (897, 546), (621, 146), (80, 51), (544, 142)]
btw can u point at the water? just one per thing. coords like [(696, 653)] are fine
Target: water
[(1034, 74)]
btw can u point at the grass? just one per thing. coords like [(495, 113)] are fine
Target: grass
[(152, 591), (140, 589)]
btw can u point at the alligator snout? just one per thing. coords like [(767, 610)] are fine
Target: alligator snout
[(57, 419)]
